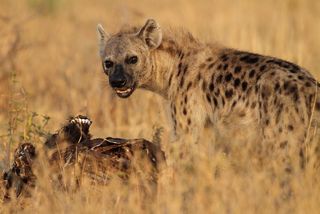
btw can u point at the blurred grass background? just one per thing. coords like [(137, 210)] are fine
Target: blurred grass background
[(50, 69)]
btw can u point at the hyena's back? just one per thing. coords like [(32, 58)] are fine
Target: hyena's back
[(278, 97)]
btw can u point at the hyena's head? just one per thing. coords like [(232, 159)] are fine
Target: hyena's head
[(125, 56)]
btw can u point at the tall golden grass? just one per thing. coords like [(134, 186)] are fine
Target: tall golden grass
[(49, 64)]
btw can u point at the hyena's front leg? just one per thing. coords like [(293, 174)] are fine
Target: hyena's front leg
[(188, 119)]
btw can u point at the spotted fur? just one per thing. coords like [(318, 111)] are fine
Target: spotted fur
[(245, 96)]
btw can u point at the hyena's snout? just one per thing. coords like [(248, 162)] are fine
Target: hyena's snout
[(118, 79), (121, 81)]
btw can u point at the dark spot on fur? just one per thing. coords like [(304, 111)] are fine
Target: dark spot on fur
[(293, 89), (219, 79), (253, 105), (285, 64), (267, 122), (210, 65), (276, 87), (182, 81), (318, 106), (283, 144), (189, 121), (275, 100), (290, 127), (170, 50), (211, 87), (302, 158), (179, 69), (236, 82), (184, 111), (263, 67), (189, 85), (181, 54), (256, 88), (228, 77), (229, 93), (204, 85), (217, 93), (286, 85), (234, 104), (186, 99), (242, 114), (250, 59), (199, 77), (209, 59), (202, 65), (293, 71), (185, 69), (252, 73), (170, 79), (244, 86), (215, 101), (307, 84), (237, 69), (219, 67), (258, 77), (224, 57), (225, 67), (208, 97)]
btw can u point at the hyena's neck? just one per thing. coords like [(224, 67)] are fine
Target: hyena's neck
[(176, 62), (166, 62), (162, 66)]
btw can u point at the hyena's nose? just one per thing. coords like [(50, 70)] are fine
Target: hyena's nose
[(118, 79), (118, 82)]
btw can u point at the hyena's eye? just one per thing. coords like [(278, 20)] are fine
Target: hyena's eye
[(132, 60), (108, 64)]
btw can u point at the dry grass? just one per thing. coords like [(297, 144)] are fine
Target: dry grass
[(49, 64)]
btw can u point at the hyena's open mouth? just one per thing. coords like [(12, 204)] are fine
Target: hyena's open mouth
[(81, 120), (125, 92)]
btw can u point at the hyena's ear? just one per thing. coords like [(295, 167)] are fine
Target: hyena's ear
[(103, 37), (151, 33)]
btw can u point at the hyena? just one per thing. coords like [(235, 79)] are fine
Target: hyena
[(244, 96)]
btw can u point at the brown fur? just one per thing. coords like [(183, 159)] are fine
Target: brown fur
[(246, 97)]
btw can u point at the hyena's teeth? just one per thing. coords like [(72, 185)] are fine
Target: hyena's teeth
[(81, 121), (125, 91)]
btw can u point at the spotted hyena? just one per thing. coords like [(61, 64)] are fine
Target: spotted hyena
[(244, 96)]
